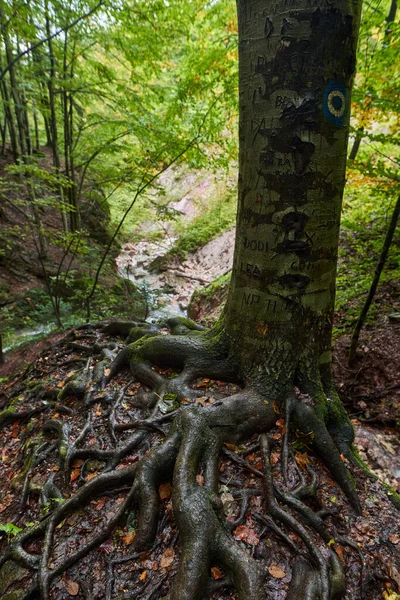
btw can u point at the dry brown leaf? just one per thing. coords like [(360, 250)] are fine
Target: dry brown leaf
[(216, 573), (78, 462), (274, 458), (73, 588), (128, 538), (247, 535), (394, 538), (143, 576), (340, 552), (276, 572), (60, 384), (231, 447), (302, 460), (200, 479), (203, 400), (99, 504), (164, 490), (74, 474), (167, 558), (71, 373), (107, 372), (91, 476)]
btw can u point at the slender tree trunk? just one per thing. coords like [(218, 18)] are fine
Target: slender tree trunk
[(15, 94), (36, 126), (356, 144), (4, 135), (7, 103), (53, 122), (2, 356), (294, 96), (375, 282), (390, 18)]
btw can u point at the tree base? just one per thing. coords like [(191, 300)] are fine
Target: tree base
[(197, 426)]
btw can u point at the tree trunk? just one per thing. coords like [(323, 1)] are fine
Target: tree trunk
[(53, 136), (294, 96)]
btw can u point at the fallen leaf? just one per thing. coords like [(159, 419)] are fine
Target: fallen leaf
[(302, 460), (231, 447), (78, 462), (340, 552), (390, 595), (60, 384), (200, 479), (74, 474), (216, 573), (394, 538), (164, 491), (167, 558), (247, 535), (128, 539), (73, 588), (107, 547), (203, 400), (276, 572), (143, 576), (15, 430), (99, 504), (91, 476), (107, 372)]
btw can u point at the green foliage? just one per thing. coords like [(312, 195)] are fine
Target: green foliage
[(10, 529), (219, 216)]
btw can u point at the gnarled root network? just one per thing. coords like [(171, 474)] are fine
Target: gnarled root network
[(192, 447)]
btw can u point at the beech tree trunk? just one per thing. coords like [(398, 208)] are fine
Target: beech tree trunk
[(296, 66)]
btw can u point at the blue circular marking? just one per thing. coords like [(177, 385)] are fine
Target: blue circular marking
[(334, 106)]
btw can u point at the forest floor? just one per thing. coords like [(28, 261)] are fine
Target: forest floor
[(111, 571)]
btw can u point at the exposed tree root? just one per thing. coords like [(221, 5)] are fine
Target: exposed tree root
[(192, 447)]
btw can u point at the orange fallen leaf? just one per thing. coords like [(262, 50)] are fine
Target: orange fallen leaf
[(15, 430), (91, 476), (302, 460), (167, 558), (394, 538), (216, 573), (99, 504), (231, 447), (340, 552), (60, 384), (247, 535), (200, 479), (73, 588), (107, 372), (143, 576), (276, 572), (78, 462), (74, 474), (128, 538), (164, 491)]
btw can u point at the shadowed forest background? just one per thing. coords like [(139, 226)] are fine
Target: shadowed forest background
[(118, 192)]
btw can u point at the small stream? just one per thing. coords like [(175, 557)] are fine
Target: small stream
[(171, 290)]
